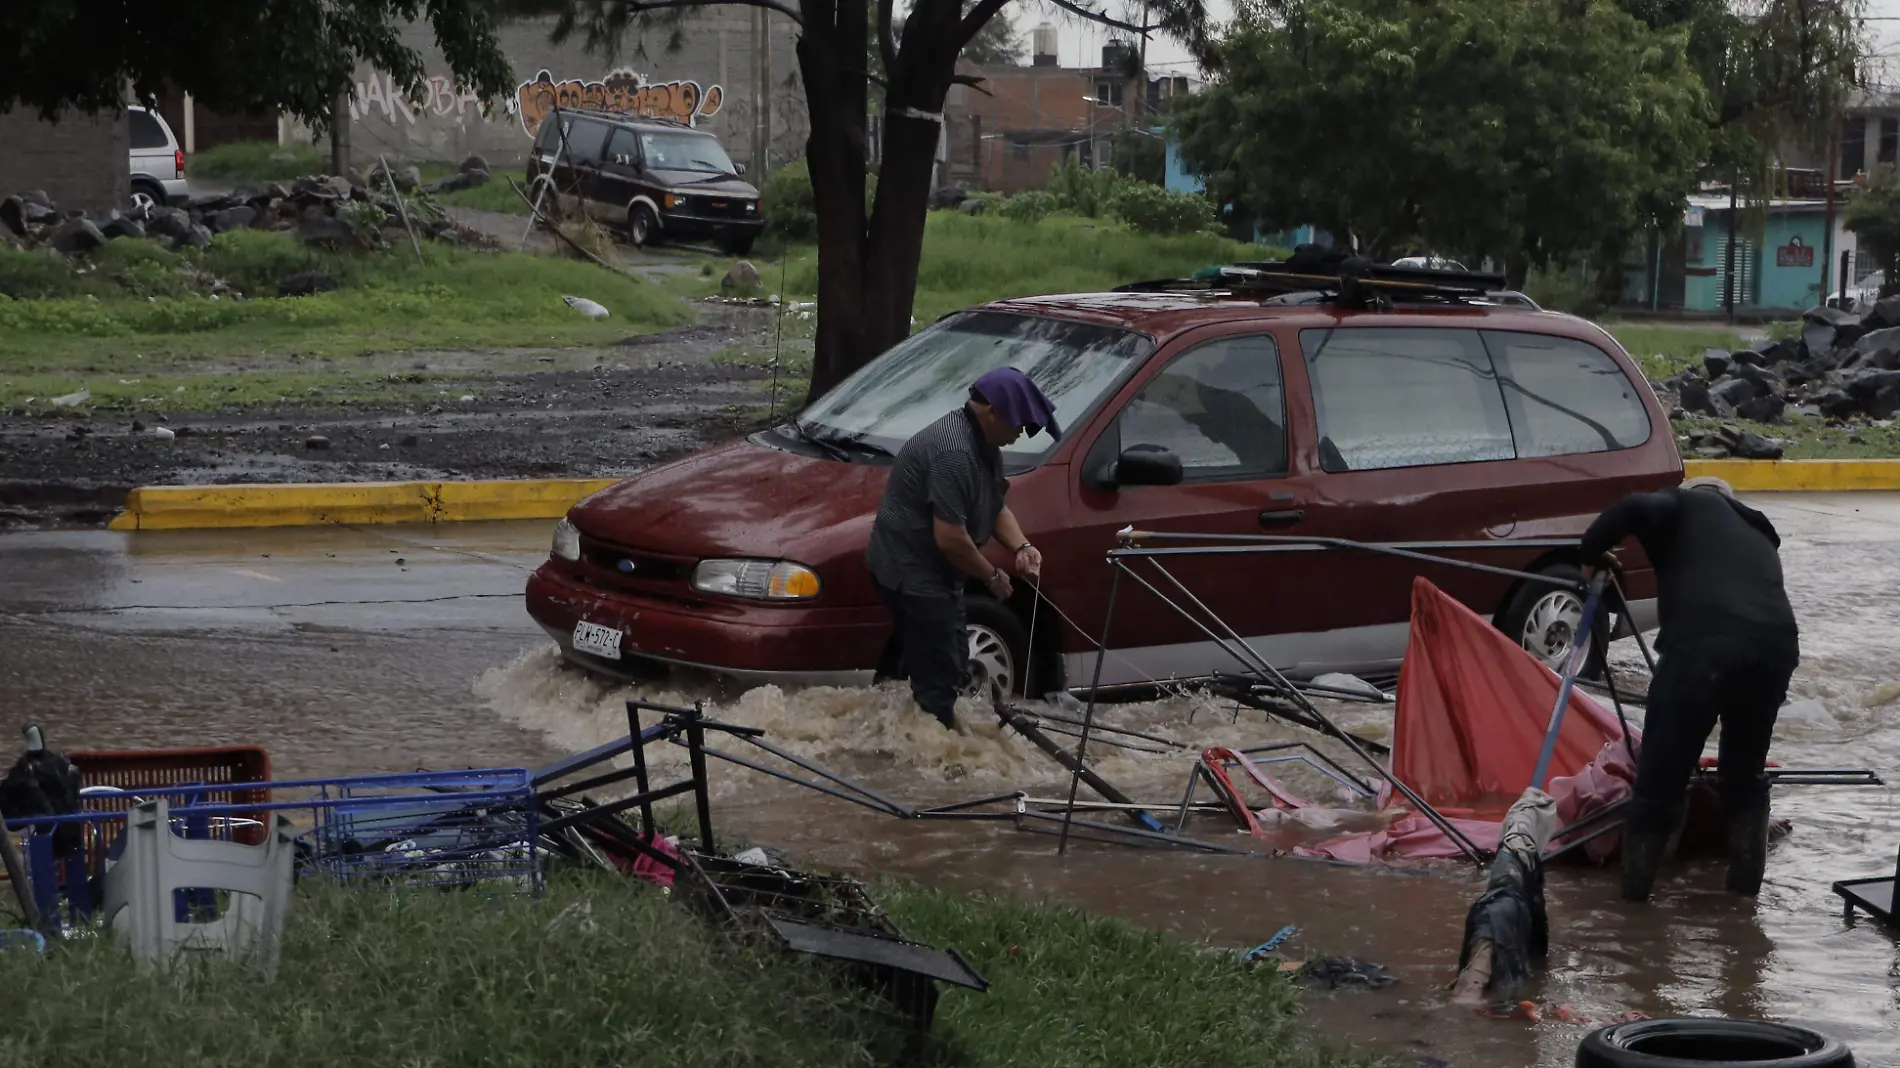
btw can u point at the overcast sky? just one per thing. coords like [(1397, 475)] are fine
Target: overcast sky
[(1080, 41)]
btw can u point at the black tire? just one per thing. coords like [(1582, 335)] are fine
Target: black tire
[(151, 191), (995, 630), (1688, 1042), (1531, 608), (737, 246), (642, 225)]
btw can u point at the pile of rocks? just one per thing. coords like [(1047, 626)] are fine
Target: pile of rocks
[(1843, 368), (311, 206)]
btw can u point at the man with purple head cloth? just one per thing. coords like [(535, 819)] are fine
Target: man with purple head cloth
[(944, 500)]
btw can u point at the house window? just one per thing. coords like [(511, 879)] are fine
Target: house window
[(1108, 94), (1853, 149), (1889, 140)]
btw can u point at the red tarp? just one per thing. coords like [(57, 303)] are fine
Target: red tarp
[(1473, 707), (1472, 710)]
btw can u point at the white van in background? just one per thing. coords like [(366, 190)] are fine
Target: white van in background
[(158, 162)]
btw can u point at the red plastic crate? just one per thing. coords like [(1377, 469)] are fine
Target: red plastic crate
[(131, 769)]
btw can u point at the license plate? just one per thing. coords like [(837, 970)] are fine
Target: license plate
[(598, 640)]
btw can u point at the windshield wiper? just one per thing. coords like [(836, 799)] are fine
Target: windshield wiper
[(861, 445), (824, 445), (719, 177)]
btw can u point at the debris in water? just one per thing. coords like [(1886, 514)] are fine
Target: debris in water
[(71, 399), (586, 307), (1339, 680), (163, 433), (316, 441)]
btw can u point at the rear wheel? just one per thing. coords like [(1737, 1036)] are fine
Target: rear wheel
[(999, 647), (147, 196), (641, 225), (1544, 619)]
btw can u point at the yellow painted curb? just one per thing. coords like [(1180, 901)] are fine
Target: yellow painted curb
[(315, 504), (1807, 476)]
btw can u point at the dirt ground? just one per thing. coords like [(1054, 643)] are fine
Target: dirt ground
[(586, 413)]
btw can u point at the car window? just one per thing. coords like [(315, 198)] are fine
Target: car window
[(1565, 396), (1219, 407), (584, 141), (1076, 365), (1404, 398), (623, 147), (146, 131), (667, 150)]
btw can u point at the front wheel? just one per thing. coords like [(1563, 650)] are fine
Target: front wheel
[(641, 225), (999, 647), (1544, 618)]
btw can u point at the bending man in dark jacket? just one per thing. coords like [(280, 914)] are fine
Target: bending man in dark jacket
[(1729, 645)]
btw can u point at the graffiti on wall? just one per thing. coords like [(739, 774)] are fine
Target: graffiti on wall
[(622, 90), (437, 97)]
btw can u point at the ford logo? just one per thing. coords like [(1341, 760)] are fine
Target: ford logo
[(625, 566)]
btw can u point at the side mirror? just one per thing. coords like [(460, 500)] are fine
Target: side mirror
[(1145, 465), (739, 169)]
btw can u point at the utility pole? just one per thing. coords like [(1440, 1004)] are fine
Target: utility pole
[(1728, 271), (1140, 114), (761, 93), (1827, 235), (340, 132)]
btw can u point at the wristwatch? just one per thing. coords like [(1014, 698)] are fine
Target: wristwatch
[(1020, 548)]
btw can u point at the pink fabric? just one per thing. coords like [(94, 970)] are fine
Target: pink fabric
[(645, 867)]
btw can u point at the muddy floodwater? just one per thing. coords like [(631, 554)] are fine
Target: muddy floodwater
[(349, 650)]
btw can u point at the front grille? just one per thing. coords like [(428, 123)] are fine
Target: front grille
[(721, 207), (618, 567)]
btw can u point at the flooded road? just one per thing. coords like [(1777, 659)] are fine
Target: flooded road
[(349, 650)]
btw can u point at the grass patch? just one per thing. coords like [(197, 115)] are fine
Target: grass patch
[(140, 311), (492, 195), (257, 161), (1662, 351), (603, 972), (972, 259)]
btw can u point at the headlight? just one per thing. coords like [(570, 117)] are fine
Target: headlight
[(751, 206), (567, 541), (760, 580)]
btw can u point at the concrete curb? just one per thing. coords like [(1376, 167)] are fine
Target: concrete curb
[(1800, 476), (319, 503)]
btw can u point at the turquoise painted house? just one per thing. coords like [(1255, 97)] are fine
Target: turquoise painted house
[(1180, 181), (1778, 272)]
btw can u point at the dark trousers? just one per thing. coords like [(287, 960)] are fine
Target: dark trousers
[(1739, 683), (932, 646)]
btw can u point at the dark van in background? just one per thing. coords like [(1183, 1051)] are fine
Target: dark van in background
[(660, 180)]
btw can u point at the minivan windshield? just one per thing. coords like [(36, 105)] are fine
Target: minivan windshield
[(667, 151), (916, 383)]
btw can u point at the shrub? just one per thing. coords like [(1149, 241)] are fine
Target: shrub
[(791, 211), (1151, 209), (1027, 207), (257, 161), (1084, 191)]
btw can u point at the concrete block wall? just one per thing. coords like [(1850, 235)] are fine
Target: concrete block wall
[(80, 160), (708, 81)]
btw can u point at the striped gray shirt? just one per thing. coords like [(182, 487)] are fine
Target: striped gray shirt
[(945, 471)]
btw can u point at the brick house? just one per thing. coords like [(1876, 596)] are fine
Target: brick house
[(81, 161)]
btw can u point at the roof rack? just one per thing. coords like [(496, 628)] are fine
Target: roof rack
[(608, 115), (1345, 280)]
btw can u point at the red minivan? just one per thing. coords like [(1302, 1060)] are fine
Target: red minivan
[(1455, 421)]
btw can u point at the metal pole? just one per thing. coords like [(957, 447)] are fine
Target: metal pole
[(696, 752), (1636, 632), (634, 730), (401, 209), (1458, 837), (1827, 235), (1579, 655), (1728, 273), (1088, 713)]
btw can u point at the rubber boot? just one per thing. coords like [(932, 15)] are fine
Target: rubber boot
[(1747, 847), (1642, 855)]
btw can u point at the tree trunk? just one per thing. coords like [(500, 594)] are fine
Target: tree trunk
[(831, 53)]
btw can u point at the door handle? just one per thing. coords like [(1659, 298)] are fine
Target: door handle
[(1282, 516)]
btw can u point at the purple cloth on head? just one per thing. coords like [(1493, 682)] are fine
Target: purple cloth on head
[(1018, 401)]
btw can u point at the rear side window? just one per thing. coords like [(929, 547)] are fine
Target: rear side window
[(585, 140), (1219, 407), (146, 132), (1404, 398), (1565, 396), (623, 147)]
